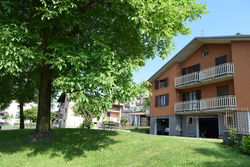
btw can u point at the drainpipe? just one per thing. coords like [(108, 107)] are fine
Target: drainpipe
[(197, 127)]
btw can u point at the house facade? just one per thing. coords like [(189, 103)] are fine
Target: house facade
[(193, 91), (66, 118)]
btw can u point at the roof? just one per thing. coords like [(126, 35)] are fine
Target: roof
[(195, 44)]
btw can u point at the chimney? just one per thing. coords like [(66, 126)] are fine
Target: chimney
[(238, 33)]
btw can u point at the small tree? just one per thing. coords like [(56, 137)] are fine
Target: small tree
[(30, 114)]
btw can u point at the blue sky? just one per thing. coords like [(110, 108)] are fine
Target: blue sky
[(225, 17)]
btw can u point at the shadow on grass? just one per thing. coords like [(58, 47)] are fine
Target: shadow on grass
[(69, 143), (228, 156)]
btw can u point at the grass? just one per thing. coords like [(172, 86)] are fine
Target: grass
[(91, 148), (142, 129)]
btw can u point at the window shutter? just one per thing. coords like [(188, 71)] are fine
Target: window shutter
[(156, 101), (198, 94), (157, 84), (223, 59), (220, 60), (184, 96), (197, 68), (217, 61), (166, 82), (167, 99), (184, 71)]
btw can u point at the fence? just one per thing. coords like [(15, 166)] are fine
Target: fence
[(239, 120)]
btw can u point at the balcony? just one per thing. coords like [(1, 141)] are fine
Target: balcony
[(207, 76), (215, 104)]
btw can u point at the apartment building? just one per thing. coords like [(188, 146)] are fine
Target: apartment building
[(193, 91), (66, 117)]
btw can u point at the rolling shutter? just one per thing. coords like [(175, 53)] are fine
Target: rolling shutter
[(157, 84), (156, 101), (198, 94), (166, 82), (167, 99)]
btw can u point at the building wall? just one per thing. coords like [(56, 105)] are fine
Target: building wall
[(171, 73), (215, 50), (241, 59), (209, 91), (188, 130)]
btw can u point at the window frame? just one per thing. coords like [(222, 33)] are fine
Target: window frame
[(164, 100), (192, 121), (205, 53)]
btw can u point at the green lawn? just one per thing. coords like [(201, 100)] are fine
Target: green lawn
[(142, 129), (83, 148)]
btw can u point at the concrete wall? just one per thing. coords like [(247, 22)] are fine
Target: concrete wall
[(188, 130), (174, 121), (153, 121)]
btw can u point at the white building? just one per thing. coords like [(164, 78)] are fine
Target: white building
[(13, 111), (66, 118)]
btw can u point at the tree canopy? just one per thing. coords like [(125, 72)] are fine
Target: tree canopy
[(89, 48)]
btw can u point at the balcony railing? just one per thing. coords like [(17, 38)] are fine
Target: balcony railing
[(206, 74), (208, 104)]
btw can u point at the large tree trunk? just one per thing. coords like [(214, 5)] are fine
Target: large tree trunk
[(21, 116), (43, 116)]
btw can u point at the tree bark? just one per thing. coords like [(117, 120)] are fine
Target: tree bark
[(21, 116), (43, 116)]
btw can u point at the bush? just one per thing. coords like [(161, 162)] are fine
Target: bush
[(87, 123), (123, 121), (233, 138), (245, 147)]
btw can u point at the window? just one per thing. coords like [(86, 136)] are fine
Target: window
[(163, 83), (189, 121), (163, 100), (205, 53), (223, 90), (191, 69), (108, 114)]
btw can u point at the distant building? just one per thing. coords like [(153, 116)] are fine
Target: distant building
[(66, 118), (135, 113), (13, 112)]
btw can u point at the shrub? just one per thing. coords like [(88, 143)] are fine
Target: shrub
[(87, 123), (245, 147), (124, 121), (233, 138)]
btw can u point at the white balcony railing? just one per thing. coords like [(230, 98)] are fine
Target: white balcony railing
[(220, 70), (187, 79), (206, 74), (215, 103)]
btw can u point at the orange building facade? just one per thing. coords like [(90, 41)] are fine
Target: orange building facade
[(192, 92)]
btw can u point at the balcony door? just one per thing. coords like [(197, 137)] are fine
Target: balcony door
[(192, 97), (222, 91)]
